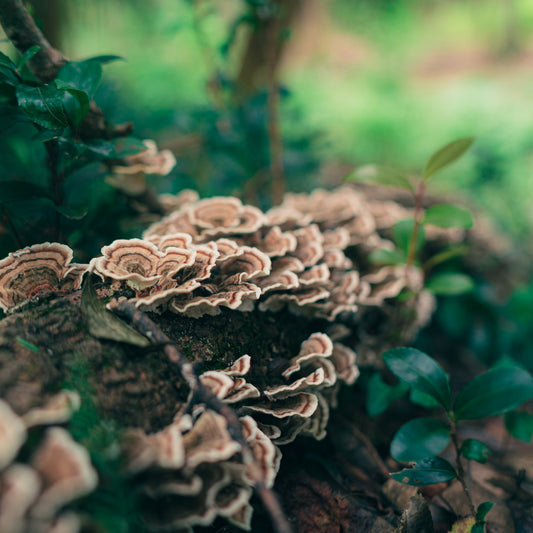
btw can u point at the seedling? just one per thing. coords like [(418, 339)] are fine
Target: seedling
[(420, 440), (408, 234)]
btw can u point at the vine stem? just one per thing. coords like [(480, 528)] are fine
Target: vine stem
[(460, 470), (413, 243), (149, 329)]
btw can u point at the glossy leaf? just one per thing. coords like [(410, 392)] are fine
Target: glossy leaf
[(483, 510), (475, 450), (43, 104), (380, 395), (81, 75), (420, 372), (448, 216), (8, 71), (380, 175), (27, 55), (478, 528), (426, 472), (446, 156), (9, 76), (422, 399), (419, 438), (75, 102), (85, 75), (402, 232), (494, 392), (520, 425), (450, 284), (6, 62)]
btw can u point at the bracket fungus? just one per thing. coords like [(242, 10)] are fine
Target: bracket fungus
[(36, 270), (307, 257)]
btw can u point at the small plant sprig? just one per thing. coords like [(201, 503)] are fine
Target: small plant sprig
[(409, 234), (57, 110), (420, 440)]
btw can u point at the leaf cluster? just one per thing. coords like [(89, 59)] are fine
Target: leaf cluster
[(46, 146), (419, 441), (409, 234)]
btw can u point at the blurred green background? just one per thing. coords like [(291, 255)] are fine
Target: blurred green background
[(385, 81)]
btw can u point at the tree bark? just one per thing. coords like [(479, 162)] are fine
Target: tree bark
[(23, 33)]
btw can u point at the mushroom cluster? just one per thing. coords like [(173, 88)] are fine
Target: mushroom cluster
[(191, 471), (33, 494), (308, 256)]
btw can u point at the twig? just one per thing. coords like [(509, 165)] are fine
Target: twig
[(460, 470), (148, 328), (23, 33)]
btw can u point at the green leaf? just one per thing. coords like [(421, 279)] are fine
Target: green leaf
[(43, 104), (9, 76), (478, 528), (446, 156), (475, 450), (448, 216), (75, 102), (46, 135), (379, 175), (420, 372), (422, 399), (6, 62), (426, 472), (380, 395), (402, 232), (419, 438), (450, 284), (27, 55), (520, 425), (8, 71), (84, 76), (387, 257), (483, 510), (494, 392)]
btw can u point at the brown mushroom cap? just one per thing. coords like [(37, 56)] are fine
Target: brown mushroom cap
[(35, 270), (19, 487), (134, 261), (149, 161), (57, 410), (12, 434), (66, 471), (173, 202)]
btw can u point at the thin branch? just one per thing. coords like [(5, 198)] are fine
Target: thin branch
[(23, 33), (460, 470), (148, 328)]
